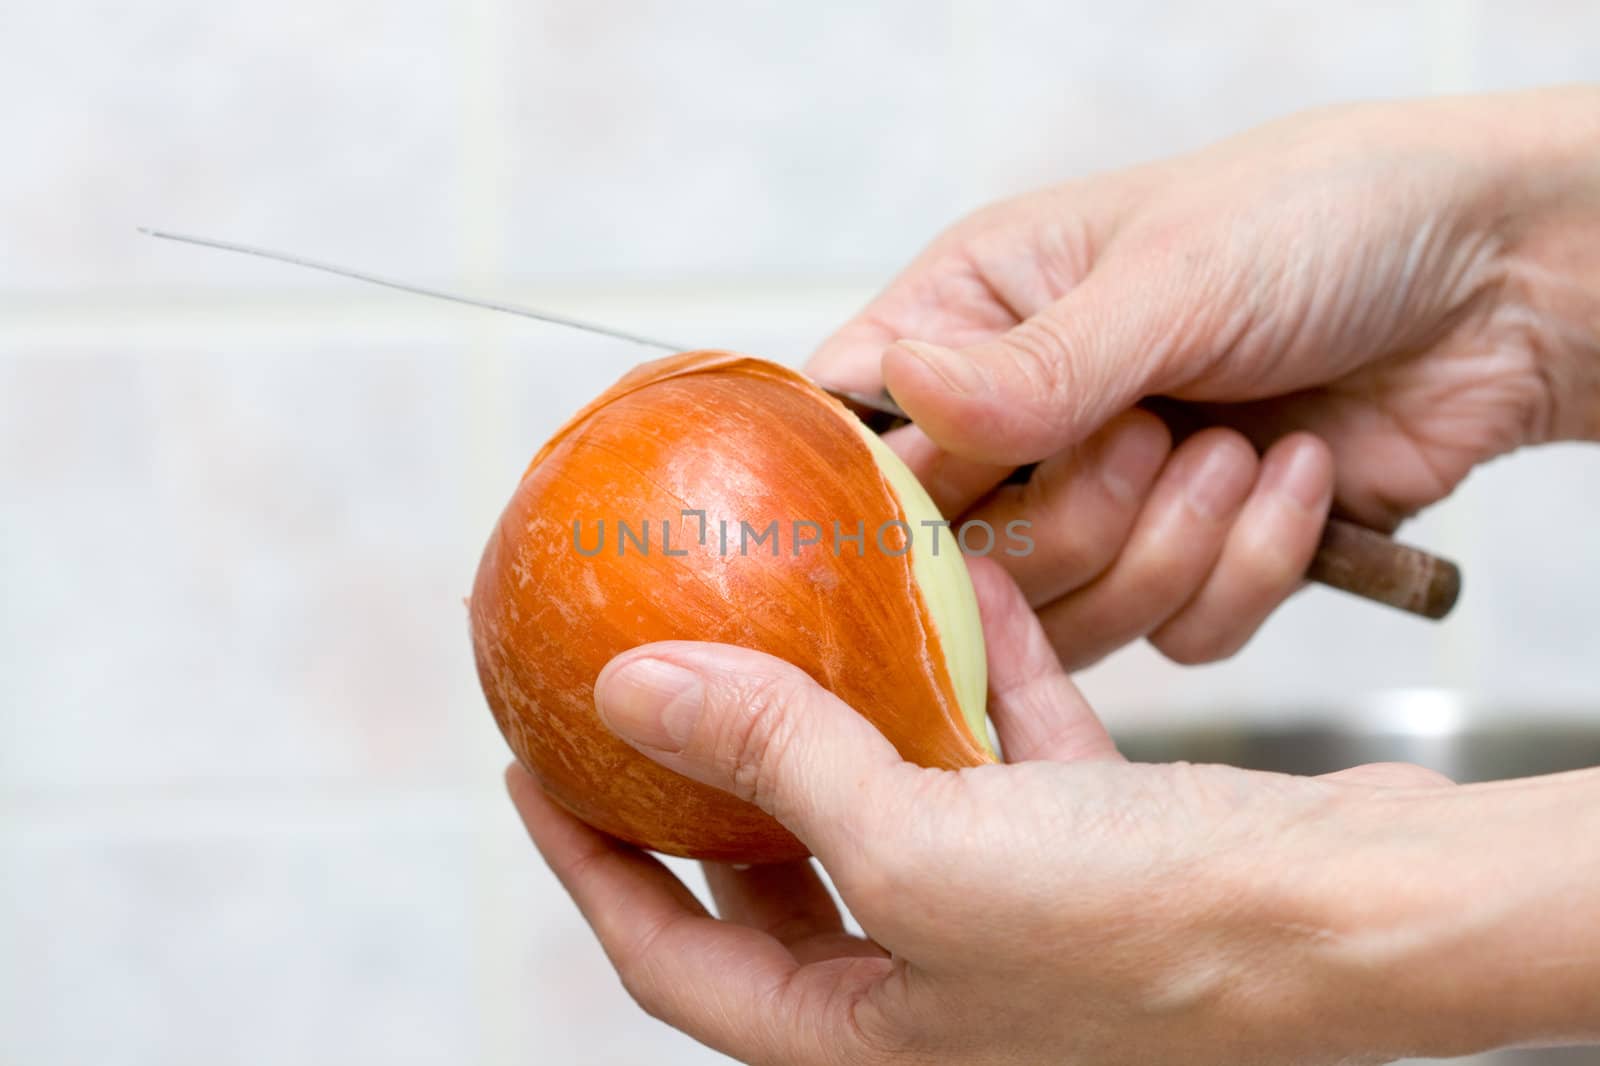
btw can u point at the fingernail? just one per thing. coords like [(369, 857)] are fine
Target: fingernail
[(1133, 455), (959, 373), (651, 702), (1219, 486), (1299, 477)]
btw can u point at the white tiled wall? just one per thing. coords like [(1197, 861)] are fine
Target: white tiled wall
[(250, 794)]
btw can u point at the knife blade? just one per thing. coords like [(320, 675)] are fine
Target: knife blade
[(1350, 557)]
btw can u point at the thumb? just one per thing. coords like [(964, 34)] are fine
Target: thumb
[(1045, 384), (753, 725)]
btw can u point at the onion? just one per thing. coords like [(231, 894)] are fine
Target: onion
[(715, 496)]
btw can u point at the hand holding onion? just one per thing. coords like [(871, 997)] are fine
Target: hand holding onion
[(1073, 907), (744, 506)]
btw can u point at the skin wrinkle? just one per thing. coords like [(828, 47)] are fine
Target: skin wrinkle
[(1183, 358), (1548, 419), (947, 294), (831, 1037), (1034, 345), (1268, 342), (1053, 744), (758, 741), (1066, 252), (1378, 391), (995, 295), (1439, 483), (1061, 258), (1115, 483), (874, 1014), (1061, 386), (637, 967), (1273, 563)]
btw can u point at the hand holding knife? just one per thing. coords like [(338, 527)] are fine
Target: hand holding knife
[(1349, 556)]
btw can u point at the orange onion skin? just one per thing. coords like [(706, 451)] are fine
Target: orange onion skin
[(744, 440)]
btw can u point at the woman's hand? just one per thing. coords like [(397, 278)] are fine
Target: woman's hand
[(1072, 907), (1376, 298)]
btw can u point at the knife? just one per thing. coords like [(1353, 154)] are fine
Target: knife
[(1349, 556)]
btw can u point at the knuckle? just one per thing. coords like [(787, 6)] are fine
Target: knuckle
[(1081, 550), (1037, 385), (1276, 566), (642, 991), (1199, 634), (1164, 574), (1039, 350), (1268, 556), (756, 735), (637, 974), (873, 1013)]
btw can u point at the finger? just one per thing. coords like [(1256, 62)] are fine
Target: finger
[(758, 727), (785, 900), (716, 981), (1390, 775), (1079, 506), (1361, 441), (1177, 538), (1264, 559), (1037, 710), (788, 902), (1057, 377)]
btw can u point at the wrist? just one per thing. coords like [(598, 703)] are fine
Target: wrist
[(1289, 925), (1455, 920)]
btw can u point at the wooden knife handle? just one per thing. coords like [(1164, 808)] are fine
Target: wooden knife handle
[(1366, 563)]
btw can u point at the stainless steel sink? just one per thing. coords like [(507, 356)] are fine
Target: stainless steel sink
[(1445, 731)]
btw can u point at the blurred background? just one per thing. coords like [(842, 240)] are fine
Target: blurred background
[(251, 797)]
